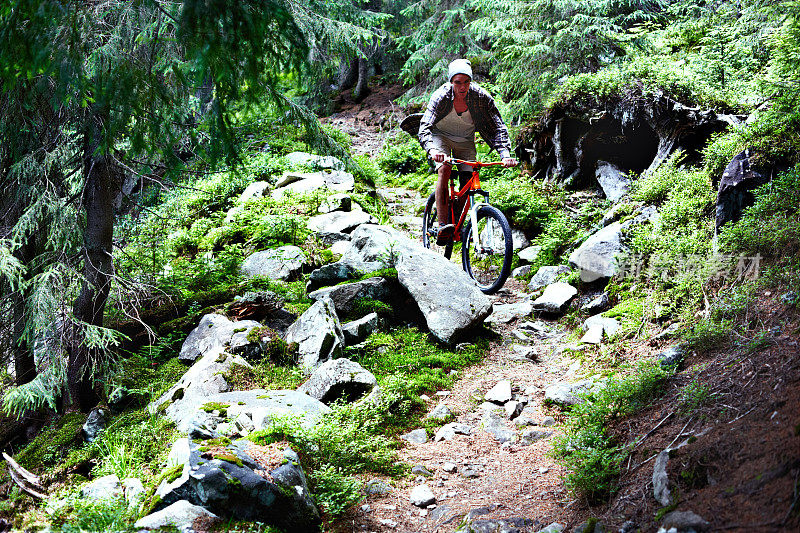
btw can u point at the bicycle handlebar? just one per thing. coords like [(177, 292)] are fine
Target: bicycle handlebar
[(474, 164)]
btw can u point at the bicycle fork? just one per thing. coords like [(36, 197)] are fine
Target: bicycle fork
[(473, 217)]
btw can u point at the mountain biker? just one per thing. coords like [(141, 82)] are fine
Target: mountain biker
[(447, 129)]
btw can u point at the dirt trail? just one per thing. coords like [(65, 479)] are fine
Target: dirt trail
[(491, 480)]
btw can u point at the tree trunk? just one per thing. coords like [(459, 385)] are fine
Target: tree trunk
[(100, 188), (360, 90), (348, 72)]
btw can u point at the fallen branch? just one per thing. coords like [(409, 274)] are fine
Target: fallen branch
[(27, 481)]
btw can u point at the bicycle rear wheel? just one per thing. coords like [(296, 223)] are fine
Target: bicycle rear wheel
[(430, 229), (490, 264)]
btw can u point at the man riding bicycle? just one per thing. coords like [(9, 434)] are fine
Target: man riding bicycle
[(447, 129)]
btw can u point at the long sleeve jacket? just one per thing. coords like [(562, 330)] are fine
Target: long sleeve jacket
[(485, 114)]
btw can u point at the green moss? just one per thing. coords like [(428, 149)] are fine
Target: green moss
[(52, 444), (229, 457), (216, 406), (220, 441)]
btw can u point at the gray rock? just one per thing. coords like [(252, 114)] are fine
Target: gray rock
[(213, 332), (358, 330), (259, 303), (422, 496), (122, 398), (609, 325), (336, 202), (614, 214), (555, 298), (501, 525), (318, 334), (416, 436), (314, 161), (513, 409), (529, 436), (546, 275), (179, 453), (302, 183), (597, 305), (375, 247), (330, 274), (257, 189), (134, 490), (521, 271), (527, 353), (376, 487), (339, 379), (791, 298), (449, 431), (615, 183), (449, 467), (593, 335), (530, 254), (103, 488), (95, 423), (740, 177), (661, 491), (671, 357), (345, 296), (440, 412), (420, 470), (451, 302), (518, 239), (596, 257), (280, 497), (283, 264), (567, 394), (205, 378), (340, 221), (469, 472), (685, 520), (331, 239), (504, 313), (500, 393), (591, 527), (548, 421), (180, 514), (495, 425)]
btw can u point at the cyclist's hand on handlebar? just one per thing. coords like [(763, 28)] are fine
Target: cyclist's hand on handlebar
[(509, 162), (438, 156)]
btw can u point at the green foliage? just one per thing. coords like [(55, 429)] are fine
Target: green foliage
[(53, 443), (589, 454), (334, 491), (694, 395), (402, 154), (93, 515), (521, 201)]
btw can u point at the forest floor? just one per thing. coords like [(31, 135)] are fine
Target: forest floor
[(740, 457)]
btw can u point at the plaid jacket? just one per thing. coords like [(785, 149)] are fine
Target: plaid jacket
[(483, 110)]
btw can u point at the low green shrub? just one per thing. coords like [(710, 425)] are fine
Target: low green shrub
[(335, 491), (591, 456)]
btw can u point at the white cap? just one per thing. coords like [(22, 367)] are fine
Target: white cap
[(459, 66)]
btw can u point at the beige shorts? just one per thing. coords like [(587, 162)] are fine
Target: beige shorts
[(460, 150)]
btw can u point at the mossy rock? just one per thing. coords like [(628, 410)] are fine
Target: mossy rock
[(53, 443)]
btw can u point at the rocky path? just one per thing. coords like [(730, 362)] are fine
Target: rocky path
[(489, 465)]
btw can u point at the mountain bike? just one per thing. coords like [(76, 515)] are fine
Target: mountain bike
[(482, 233)]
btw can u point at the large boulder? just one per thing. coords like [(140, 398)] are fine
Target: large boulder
[(375, 247), (330, 274), (735, 187), (339, 221), (301, 183), (283, 264), (254, 190), (318, 334), (213, 331), (314, 161), (339, 379), (345, 296), (567, 394), (555, 298), (244, 481), (596, 257), (450, 300), (358, 330), (205, 378), (614, 181)]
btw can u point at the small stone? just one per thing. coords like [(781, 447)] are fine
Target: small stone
[(500, 393), (421, 471), (683, 520), (443, 393), (555, 527), (529, 436), (522, 421), (424, 397), (543, 470), (376, 487), (365, 508), (469, 472), (388, 523), (548, 421), (422, 496), (449, 467), (440, 412), (513, 408), (671, 357), (417, 436), (598, 305), (521, 271)]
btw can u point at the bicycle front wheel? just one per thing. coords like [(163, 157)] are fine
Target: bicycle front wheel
[(430, 229), (489, 263)]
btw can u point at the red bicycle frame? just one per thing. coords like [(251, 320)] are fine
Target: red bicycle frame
[(469, 190)]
